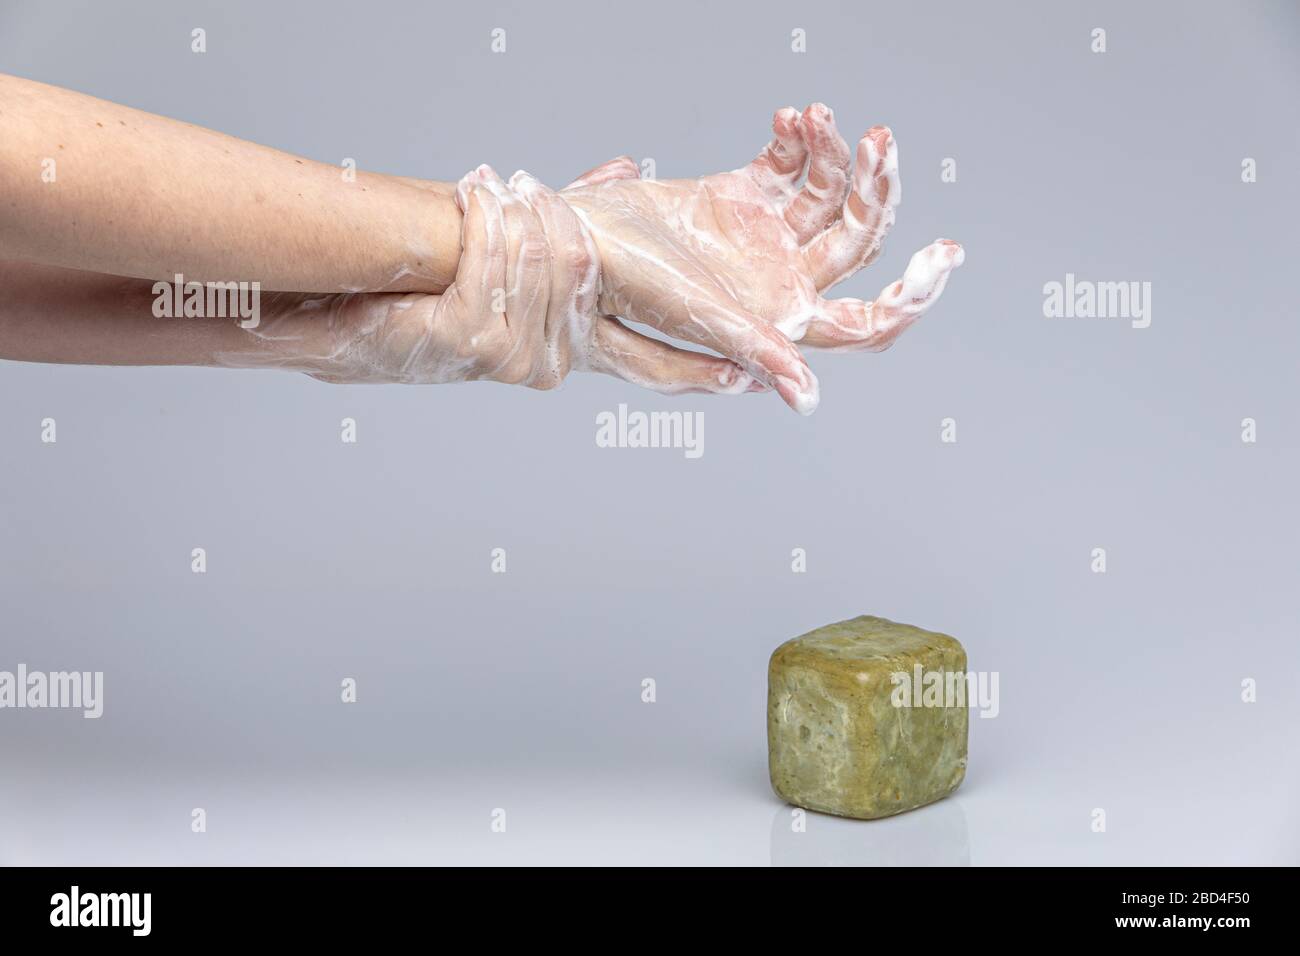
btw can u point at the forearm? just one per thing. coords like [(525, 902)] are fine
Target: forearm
[(51, 314), (134, 194)]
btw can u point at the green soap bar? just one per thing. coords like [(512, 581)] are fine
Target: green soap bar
[(845, 732)]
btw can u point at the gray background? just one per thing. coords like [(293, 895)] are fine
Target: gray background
[(522, 691)]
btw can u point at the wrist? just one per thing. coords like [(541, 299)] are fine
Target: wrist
[(296, 332), (425, 234)]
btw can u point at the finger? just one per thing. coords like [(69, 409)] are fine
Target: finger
[(698, 311), (851, 324), (482, 264), (818, 204), (527, 287), (755, 345), (855, 240), (620, 167), (575, 269), (460, 308), (778, 168), (617, 350)]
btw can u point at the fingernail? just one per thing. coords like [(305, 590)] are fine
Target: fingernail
[(957, 252)]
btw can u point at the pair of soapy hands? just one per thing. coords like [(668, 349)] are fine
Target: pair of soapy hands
[(735, 262)]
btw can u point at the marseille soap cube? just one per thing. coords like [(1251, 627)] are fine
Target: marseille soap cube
[(867, 718)]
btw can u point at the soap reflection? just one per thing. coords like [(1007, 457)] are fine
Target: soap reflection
[(935, 835)]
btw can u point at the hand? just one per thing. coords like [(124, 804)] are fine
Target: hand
[(736, 261), (522, 310)]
